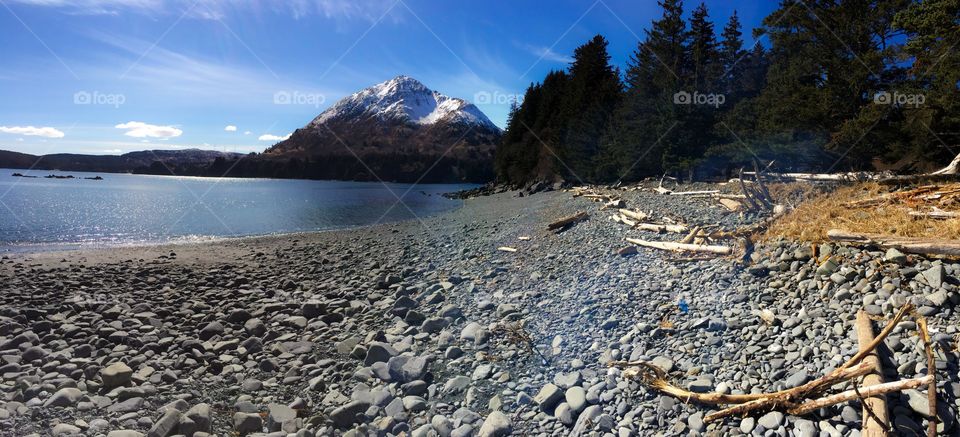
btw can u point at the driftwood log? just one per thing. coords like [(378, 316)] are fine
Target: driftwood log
[(951, 169), (682, 247), (875, 419), (868, 392), (789, 397), (566, 221), (655, 227), (922, 246), (635, 215)]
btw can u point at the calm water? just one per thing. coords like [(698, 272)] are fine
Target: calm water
[(54, 214)]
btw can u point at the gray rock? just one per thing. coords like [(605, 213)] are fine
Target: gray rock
[(116, 375), (166, 425), (125, 433), (935, 276), (895, 256), (695, 422), (211, 330), (33, 353), (64, 397), (747, 424), (805, 428), (548, 397), (379, 352), (577, 398), (200, 414), (246, 423), (497, 424), (797, 379), (414, 404), (65, 429), (345, 416), (567, 380), (564, 414), (456, 384), (434, 325), (482, 371), (280, 416), (771, 420), (918, 402), (664, 363)]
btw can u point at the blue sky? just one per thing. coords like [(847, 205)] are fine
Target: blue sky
[(113, 76)]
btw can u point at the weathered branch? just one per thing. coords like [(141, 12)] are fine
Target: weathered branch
[(664, 245), (871, 391), (875, 420), (566, 221), (922, 246)]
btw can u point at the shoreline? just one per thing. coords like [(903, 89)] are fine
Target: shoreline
[(405, 327)]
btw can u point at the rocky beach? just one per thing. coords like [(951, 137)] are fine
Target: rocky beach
[(425, 328)]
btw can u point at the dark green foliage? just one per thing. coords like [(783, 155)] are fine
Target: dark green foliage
[(809, 101)]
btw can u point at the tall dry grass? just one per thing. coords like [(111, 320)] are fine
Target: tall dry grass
[(817, 212)]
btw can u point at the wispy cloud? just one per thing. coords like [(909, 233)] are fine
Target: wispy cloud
[(366, 10), (139, 129), (230, 128), (546, 53), (46, 132)]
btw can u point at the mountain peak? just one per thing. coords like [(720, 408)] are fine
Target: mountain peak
[(407, 100)]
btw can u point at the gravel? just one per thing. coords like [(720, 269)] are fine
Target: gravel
[(425, 328)]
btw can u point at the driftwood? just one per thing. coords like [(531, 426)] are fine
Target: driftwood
[(922, 246), (837, 375), (951, 169), (747, 193), (694, 193), (875, 420), (682, 247), (919, 179), (936, 214), (931, 372), (635, 215), (567, 221), (676, 229), (506, 249), (731, 205), (860, 393), (655, 377), (822, 177), (691, 236)]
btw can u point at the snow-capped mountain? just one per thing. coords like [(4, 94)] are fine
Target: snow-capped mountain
[(399, 127), (405, 99)]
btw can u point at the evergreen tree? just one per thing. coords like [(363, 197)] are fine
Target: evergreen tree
[(643, 126), (593, 93)]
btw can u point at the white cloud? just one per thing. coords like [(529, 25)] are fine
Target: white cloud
[(46, 132), (139, 129), (547, 54), (269, 137), (230, 128), (247, 132)]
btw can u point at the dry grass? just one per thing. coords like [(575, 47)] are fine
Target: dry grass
[(820, 212)]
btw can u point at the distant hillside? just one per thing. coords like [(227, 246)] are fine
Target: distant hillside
[(190, 162)]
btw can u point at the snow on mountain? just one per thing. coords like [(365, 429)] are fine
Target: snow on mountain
[(404, 99)]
